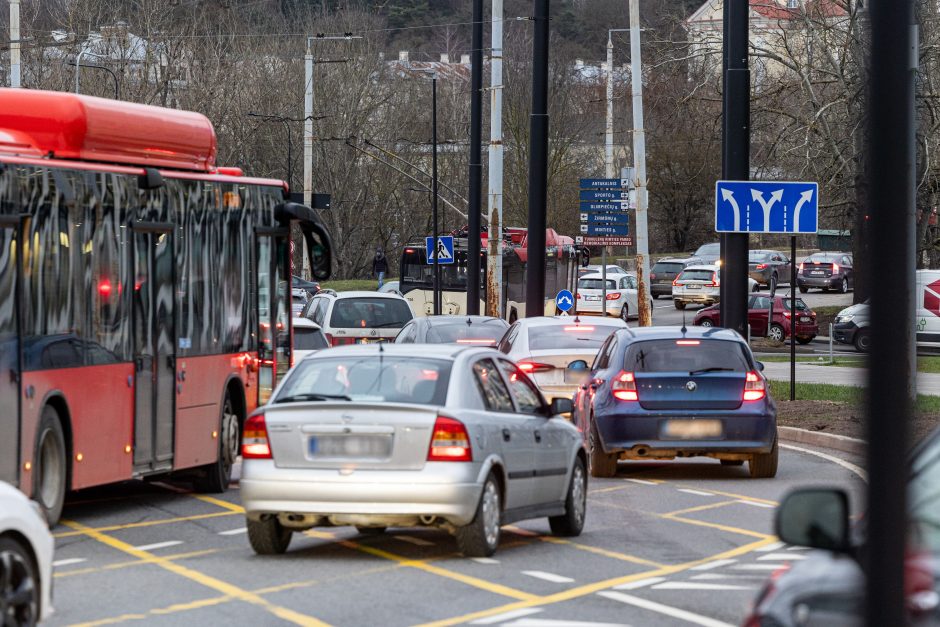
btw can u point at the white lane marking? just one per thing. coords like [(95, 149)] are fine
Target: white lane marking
[(674, 612), (756, 504), (715, 564), (545, 622), (798, 548), (718, 576), (758, 566), (695, 492), (68, 562), (691, 585), (640, 583), (505, 616), (780, 556), (831, 458), (643, 481), (158, 545), (775, 546), (234, 532), (485, 560), (415, 541), (539, 574)]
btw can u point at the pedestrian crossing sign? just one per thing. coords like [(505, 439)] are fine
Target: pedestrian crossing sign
[(445, 249)]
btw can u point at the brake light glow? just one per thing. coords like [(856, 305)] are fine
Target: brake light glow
[(579, 328), (835, 268), (801, 267), (529, 367), (476, 341), (687, 342), (675, 282), (255, 439), (754, 389), (624, 387), (450, 441), (613, 295), (409, 250), (761, 266)]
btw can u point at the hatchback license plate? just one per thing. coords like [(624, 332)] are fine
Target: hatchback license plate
[(693, 286), (805, 319), (350, 446), (592, 298), (692, 429)]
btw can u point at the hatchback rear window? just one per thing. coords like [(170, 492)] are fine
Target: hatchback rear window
[(800, 305), (309, 339), (370, 313), (688, 356), (368, 378), (667, 267), (697, 275), (595, 284), (586, 336), (463, 333), (818, 258)]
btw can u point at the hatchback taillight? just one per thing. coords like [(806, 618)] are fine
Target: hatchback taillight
[(255, 439), (450, 441), (613, 295), (529, 367), (624, 387), (754, 389)]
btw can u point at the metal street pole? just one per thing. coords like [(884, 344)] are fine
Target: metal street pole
[(608, 155), (494, 256), (735, 159), (538, 165), (14, 43), (476, 161), (639, 163), (892, 373), (437, 266)]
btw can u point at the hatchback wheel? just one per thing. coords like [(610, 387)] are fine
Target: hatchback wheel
[(803, 289), (481, 537), (602, 464), (776, 333), (572, 521), (764, 465), (844, 286), (19, 585), (268, 536), (804, 340), (625, 313)]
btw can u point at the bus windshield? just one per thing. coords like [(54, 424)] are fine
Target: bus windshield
[(416, 273)]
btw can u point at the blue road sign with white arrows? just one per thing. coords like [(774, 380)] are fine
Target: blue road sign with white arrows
[(602, 194), (445, 249), (565, 300), (604, 183), (766, 207)]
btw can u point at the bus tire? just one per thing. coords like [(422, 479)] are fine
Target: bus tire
[(216, 476), (50, 480)]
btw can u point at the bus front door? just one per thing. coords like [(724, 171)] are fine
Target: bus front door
[(154, 347), (10, 366)]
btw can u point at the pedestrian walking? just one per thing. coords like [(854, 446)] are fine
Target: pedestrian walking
[(379, 266)]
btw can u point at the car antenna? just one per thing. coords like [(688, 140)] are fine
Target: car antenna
[(683, 330)]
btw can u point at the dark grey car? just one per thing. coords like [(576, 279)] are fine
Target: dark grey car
[(709, 254), (665, 271), (768, 267), (827, 271)]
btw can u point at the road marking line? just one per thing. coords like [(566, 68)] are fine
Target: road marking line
[(642, 583), (485, 560), (781, 556), (584, 590), (615, 488), (234, 532), (546, 622), (831, 458), (698, 508), (667, 610), (758, 566), (691, 585), (157, 545), (68, 562), (714, 576), (798, 548), (505, 616), (733, 495), (696, 492), (415, 541), (232, 507), (776, 546), (210, 582), (519, 531), (756, 504), (117, 565), (599, 551), (728, 528), (552, 577), (643, 481), (146, 523), (715, 564)]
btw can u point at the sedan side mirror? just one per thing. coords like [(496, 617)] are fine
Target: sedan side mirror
[(815, 517), (560, 406)]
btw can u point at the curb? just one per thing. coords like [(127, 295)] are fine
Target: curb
[(826, 440)]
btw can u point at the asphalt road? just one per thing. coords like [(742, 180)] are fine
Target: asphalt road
[(670, 543)]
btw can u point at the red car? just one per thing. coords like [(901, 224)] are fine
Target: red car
[(758, 314)]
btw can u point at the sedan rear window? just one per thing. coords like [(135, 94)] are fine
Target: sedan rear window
[(688, 356), (485, 334), (667, 267), (697, 275), (586, 336), (309, 339), (595, 284), (370, 313), (368, 379)]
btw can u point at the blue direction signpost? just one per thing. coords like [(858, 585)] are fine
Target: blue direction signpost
[(604, 218), (766, 207), (603, 194)]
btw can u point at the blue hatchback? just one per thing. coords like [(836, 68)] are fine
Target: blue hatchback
[(666, 392)]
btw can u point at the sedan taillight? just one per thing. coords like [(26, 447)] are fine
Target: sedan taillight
[(624, 387), (255, 439), (450, 441), (529, 367)]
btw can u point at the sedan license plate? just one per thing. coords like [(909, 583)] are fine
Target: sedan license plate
[(592, 298), (817, 272), (350, 446), (692, 429)]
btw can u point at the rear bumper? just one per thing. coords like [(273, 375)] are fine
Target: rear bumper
[(594, 308), (703, 297), (661, 289), (834, 280), (449, 490)]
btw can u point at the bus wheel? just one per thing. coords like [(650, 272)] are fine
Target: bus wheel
[(218, 474), (51, 476)]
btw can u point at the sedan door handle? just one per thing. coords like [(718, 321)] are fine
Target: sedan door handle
[(538, 435), (507, 435)]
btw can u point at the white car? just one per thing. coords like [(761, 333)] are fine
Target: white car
[(26, 549), (701, 285), (390, 287), (621, 295), (556, 352), (358, 317), (308, 338)]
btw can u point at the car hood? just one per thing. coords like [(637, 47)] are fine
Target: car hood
[(855, 310)]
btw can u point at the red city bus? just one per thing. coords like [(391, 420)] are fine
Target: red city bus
[(144, 294)]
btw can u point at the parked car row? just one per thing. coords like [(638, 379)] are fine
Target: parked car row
[(802, 326)]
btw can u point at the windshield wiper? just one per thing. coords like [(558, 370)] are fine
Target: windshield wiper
[(312, 397), (712, 369), (388, 324)]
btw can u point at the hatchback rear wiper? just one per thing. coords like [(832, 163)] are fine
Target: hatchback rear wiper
[(712, 369), (312, 397)]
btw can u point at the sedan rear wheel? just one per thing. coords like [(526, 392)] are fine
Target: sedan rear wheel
[(764, 465), (268, 536), (625, 312), (803, 289), (572, 521), (602, 464), (19, 585), (481, 537), (844, 286)]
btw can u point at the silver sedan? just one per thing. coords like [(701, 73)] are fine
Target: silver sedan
[(410, 435)]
